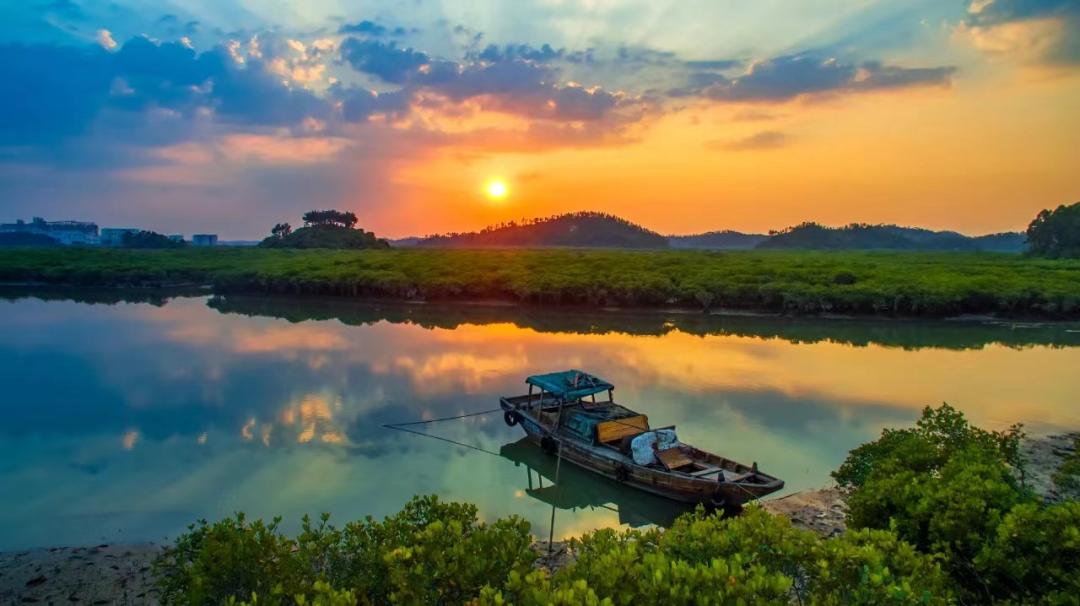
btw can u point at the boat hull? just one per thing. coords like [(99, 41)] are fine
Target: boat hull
[(663, 483)]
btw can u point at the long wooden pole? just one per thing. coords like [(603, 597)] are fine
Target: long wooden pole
[(555, 497)]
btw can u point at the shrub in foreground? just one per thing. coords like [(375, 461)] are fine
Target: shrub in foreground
[(429, 552), (436, 553), (952, 492)]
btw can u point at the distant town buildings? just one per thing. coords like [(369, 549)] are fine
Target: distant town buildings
[(65, 232), (85, 233), (114, 236)]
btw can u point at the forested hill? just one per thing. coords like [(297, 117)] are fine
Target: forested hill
[(718, 240), (860, 236), (584, 229)]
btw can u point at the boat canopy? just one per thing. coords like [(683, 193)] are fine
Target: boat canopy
[(570, 384)]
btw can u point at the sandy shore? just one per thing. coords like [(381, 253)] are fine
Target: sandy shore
[(120, 574)]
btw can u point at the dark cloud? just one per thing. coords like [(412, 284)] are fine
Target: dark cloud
[(878, 76), (786, 78), (51, 92), (718, 65), (169, 20), (1063, 48), (383, 59), (760, 141), (514, 78), (359, 104), (1004, 11), (524, 52), (55, 92), (369, 28)]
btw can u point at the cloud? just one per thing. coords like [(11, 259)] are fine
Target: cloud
[(52, 92), (383, 59), (104, 38), (525, 52), (718, 65), (1032, 31), (786, 78), (370, 28), (761, 141)]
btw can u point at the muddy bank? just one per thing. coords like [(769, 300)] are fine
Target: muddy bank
[(106, 574)]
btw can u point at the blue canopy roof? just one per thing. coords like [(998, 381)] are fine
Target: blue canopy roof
[(570, 384)]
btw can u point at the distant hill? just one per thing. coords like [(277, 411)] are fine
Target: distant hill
[(1004, 242), (718, 240), (583, 229), (860, 236)]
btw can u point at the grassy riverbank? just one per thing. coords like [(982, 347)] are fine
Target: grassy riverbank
[(935, 284)]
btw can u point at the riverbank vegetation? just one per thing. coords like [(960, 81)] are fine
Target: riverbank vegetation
[(915, 284), (938, 514)]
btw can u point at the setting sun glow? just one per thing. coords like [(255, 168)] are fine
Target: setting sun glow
[(496, 190)]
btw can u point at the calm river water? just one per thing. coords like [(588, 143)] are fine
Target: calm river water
[(126, 422)]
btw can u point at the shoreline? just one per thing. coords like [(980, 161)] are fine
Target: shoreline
[(141, 294), (121, 573)]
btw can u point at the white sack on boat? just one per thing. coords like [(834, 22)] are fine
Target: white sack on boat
[(642, 448)]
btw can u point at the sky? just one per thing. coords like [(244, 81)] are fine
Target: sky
[(228, 116)]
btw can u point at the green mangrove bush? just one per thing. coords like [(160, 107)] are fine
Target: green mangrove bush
[(955, 493)]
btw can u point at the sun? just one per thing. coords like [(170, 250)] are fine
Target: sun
[(496, 190)]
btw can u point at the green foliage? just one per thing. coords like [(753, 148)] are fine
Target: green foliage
[(322, 235), (211, 563), (951, 491), (936, 437), (756, 558), (429, 552), (1056, 233), (149, 239), (1035, 554), (1067, 477), (923, 284), (845, 278), (330, 217)]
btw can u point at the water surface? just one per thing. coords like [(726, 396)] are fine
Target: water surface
[(127, 421)]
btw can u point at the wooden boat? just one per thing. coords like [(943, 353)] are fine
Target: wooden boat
[(565, 419)]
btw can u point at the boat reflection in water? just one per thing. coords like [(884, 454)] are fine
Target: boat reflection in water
[(581, 489)]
